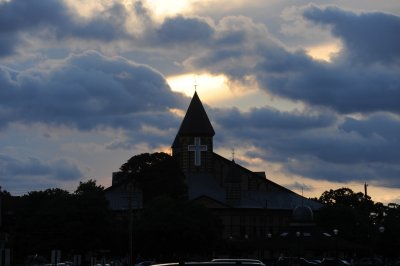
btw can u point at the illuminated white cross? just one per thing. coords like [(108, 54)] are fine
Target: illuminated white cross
[(197, 148)]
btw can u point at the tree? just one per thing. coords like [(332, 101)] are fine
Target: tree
[(346, 197), (140, 163), (88, 187), (171, 229), (41, 221), (358, 218), (156, 174), (390, 237), (5, 199), (93, 221), (57, 219)]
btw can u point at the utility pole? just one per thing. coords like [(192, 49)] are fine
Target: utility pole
[(131, 198), (1, 235), (0, 210), (365, 190)]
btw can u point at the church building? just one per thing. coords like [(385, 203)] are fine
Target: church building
[(251, 207)]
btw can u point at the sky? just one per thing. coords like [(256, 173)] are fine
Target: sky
[(308, 92)]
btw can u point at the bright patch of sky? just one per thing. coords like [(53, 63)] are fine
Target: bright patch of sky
[(218, 91)]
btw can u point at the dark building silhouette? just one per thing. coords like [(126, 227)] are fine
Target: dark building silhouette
[(251, 207)]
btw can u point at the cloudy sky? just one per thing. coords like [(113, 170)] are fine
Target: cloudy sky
[(307, 91)]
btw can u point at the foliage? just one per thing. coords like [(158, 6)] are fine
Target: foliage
[(156, 174), (361, 220), (89, 187), (54, 218), (82, 221), (142, 162), (171, 229), (345, 196)]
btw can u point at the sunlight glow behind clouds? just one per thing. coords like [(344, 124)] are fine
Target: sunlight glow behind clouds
[(162, 8), (323, 51), (212, 86), (216, 90), (86, 8)]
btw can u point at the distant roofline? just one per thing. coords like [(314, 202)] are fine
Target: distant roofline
[(255, 174)]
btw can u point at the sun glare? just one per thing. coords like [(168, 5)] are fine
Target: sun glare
[(162, 8), (324, 51), (211, 88), (218, 91)]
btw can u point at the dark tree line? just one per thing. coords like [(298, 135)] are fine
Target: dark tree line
[(361, 220), (170, 226), (82, 222), (56, 219)]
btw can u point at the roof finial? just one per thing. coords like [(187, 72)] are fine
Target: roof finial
[(233, 154), (195, 84)]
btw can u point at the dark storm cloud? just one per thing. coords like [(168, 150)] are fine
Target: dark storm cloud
[(363, 78), (85, 91), (108, 25), (329, 145), (51, 19), (379, 125), (342, 87), (154, 129), (234, 48), (12, 168), (22, 14), (181, 30), (381, 174), (17, 16), (323, 146), (367, 37), (268, 118)]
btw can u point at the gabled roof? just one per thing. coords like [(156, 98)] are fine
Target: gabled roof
[(277, 196), (210, 202), (195, 122)]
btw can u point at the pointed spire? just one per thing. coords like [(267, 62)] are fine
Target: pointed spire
[(195, 122)]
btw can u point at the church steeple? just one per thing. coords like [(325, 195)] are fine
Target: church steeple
[(193, 144)]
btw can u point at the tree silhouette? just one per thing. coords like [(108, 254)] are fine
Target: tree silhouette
[(156, 174), (359, 219), (171, 229), (57, 219)]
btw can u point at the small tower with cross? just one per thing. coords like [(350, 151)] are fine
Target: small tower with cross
[(193, 144)]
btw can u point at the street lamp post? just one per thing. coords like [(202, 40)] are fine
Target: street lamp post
[(381, 230), (269, 245), (298, 244), (336, 232), (230, 241)]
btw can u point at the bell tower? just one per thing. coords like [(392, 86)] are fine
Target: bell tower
[(193, 144)]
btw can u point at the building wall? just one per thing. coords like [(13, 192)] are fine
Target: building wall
[(253, 224)]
